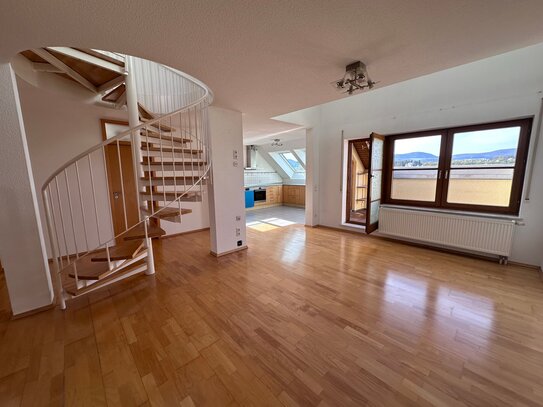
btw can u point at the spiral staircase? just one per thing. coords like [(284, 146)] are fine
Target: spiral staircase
[(169, 143)]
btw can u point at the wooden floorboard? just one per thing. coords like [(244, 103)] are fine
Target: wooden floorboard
[(305, 317)]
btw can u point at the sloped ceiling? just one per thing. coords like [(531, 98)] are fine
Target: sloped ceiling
[(268, 58)]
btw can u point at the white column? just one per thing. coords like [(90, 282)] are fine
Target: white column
[(226, 193), (22, 246), (134, 121), (312, 178), (133, 117)]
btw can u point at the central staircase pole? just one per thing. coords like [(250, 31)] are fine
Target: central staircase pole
[(134, 121)]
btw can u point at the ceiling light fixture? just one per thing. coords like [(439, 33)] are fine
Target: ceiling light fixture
[(356, 79), (276, 142)]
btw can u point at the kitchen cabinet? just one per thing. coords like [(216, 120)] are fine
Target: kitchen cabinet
[(249, 199), (294, 195), (274, 195)]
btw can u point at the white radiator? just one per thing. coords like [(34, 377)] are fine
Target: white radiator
[(478, 234)]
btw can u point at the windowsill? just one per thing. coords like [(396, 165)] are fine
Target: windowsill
[(453, 212)]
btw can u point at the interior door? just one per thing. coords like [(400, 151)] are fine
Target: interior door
[(375, 182), (120, 187)]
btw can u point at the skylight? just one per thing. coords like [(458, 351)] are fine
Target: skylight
[(292, 161)]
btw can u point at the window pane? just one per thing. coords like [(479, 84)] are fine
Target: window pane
[(486, 148), (301, 153), (415, 185), (480, 187), (417, 152), (292, 161)]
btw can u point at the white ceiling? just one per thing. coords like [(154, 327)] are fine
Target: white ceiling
[(268, 58), (287, 136)]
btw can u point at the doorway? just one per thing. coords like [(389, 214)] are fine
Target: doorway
[(358, 159), (121, 181)]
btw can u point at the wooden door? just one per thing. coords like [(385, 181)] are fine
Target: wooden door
[(375, 181), (122, 184)]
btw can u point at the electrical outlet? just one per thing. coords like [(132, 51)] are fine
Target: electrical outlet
[(235, 154), (235, 164), (240, 242)]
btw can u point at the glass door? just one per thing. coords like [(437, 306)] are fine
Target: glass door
[(377, 143)]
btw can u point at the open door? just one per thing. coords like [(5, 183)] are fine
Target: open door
[(375, 182)]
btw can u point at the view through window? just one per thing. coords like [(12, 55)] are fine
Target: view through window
[(476, 168)]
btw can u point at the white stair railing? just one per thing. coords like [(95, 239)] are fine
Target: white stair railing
[(77, 198)]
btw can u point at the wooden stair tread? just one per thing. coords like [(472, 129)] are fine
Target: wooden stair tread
[(70, 285), (146, 163), (139, 232), (145, 113), (114, 95), (161, 137), (158, 181), (160, 126), (122, 251), (87, 269), (170, 196), (171, 150), (166, 213)]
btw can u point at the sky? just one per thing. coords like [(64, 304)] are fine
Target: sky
[(470, 142)]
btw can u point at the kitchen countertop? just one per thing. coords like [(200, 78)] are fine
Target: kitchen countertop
[(264, 185), (272, 185)]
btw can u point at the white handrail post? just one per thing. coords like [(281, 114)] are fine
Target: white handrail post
[(149, 246), (134, 121), (55, 252)]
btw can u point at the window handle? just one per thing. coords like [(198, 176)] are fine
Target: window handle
[(446, 174), (439, 174)]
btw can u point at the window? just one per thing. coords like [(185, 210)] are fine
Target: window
[(292, 161), (300, 153), (289, 163), (478, 168)]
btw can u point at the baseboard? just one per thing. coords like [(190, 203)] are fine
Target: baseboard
[(228, 252), (34, 311), (188, 232)]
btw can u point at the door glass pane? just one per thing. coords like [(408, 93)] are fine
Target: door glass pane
[(486, 148), (417, 152), (374, 211), (376, 185), (415, 185), (487, 186), (377, 154)]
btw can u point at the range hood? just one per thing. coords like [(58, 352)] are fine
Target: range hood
[(250, 157)]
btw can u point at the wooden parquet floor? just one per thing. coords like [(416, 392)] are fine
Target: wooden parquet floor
[(305, 317)]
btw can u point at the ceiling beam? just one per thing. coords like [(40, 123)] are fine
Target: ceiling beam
[(111, 84), (45, 67), (64, 68), (90, 59)]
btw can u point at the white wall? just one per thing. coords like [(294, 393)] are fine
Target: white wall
[(226, 193), (22, 245), (498, 88)]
